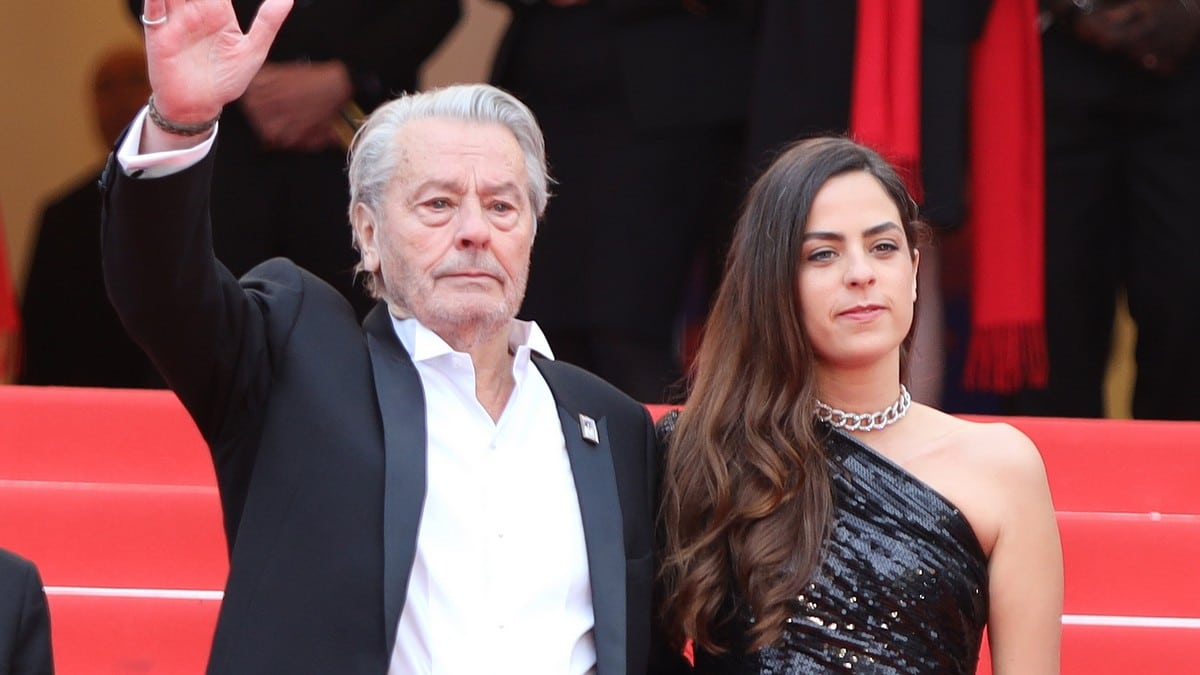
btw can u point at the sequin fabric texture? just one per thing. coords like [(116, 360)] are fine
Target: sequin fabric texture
[(902, 588)]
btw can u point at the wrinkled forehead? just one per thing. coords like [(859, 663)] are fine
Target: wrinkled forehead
[(442, 148)]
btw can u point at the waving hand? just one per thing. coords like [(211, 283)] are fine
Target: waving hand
[(198, 57)]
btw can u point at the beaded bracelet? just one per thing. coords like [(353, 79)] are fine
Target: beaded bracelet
[(178, 128)]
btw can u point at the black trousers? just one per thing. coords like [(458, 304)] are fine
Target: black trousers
[(1122, 211)]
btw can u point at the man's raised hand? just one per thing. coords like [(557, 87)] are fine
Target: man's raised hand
[(199, 59)]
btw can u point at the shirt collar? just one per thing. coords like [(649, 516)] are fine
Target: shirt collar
[(423, 344)]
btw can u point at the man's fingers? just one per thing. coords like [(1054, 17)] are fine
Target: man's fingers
[(266, 24), (153, 10)]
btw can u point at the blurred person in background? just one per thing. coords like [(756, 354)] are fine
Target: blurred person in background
[(1122, 115), (64, 291), (643, 107)]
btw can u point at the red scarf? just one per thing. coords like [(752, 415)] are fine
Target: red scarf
[(1005, 214), (10, 319), (1007, 348), (885, 104)]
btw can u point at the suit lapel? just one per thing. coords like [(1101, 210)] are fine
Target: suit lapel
[(600, 508), (402, 411)]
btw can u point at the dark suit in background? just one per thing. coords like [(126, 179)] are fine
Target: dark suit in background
[(270, 203), (72, 335), (317, 428), (642, 103), (24, 619), (804, 70), (1122, 213)]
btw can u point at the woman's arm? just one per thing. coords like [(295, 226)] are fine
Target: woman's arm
[(1025, 570)]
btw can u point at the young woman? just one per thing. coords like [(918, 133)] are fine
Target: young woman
[(817, 519)]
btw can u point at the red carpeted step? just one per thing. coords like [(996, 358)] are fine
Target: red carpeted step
[(130, 634), (1131, 564), (99, 435), (1122, 466), (95, 534)]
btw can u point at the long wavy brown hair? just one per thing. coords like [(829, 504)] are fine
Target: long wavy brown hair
[(747, 503)]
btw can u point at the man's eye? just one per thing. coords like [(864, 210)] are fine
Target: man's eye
[(438, 203), (501, 207)]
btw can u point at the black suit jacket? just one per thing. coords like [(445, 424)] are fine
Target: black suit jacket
[(24, 619), (317, 431)]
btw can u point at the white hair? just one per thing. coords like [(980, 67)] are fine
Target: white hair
[(374, 156)]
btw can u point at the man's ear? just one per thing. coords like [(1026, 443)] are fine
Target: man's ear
[(363, 220)]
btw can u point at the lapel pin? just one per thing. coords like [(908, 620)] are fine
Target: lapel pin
[(587, 427)]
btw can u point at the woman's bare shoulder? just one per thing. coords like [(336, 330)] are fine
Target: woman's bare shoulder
[(996, 446), (991, 470)]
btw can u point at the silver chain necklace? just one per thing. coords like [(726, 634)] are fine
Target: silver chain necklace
[(875, 421)]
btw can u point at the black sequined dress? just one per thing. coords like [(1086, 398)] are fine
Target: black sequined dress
[(902, 588)]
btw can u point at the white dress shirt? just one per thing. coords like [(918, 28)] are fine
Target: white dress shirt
[(500, 582), (158, 164)]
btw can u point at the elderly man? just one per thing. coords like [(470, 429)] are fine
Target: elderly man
[(428, 492)]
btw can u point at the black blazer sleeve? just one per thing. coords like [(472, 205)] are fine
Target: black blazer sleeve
[(217, 342), (203, 332), (24, 619), (206, 334)]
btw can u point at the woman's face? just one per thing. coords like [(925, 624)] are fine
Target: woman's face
[(858, 273)]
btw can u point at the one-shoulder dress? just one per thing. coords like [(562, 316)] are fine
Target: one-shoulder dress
[(902, 588)]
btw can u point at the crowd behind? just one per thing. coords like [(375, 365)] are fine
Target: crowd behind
[(658, 115)]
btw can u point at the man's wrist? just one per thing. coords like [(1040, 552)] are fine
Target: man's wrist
[(178, 128)]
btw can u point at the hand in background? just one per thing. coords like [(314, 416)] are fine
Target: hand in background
[(295, 106), (1156, 34)]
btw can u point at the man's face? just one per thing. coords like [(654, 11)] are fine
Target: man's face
[(454, 238)]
